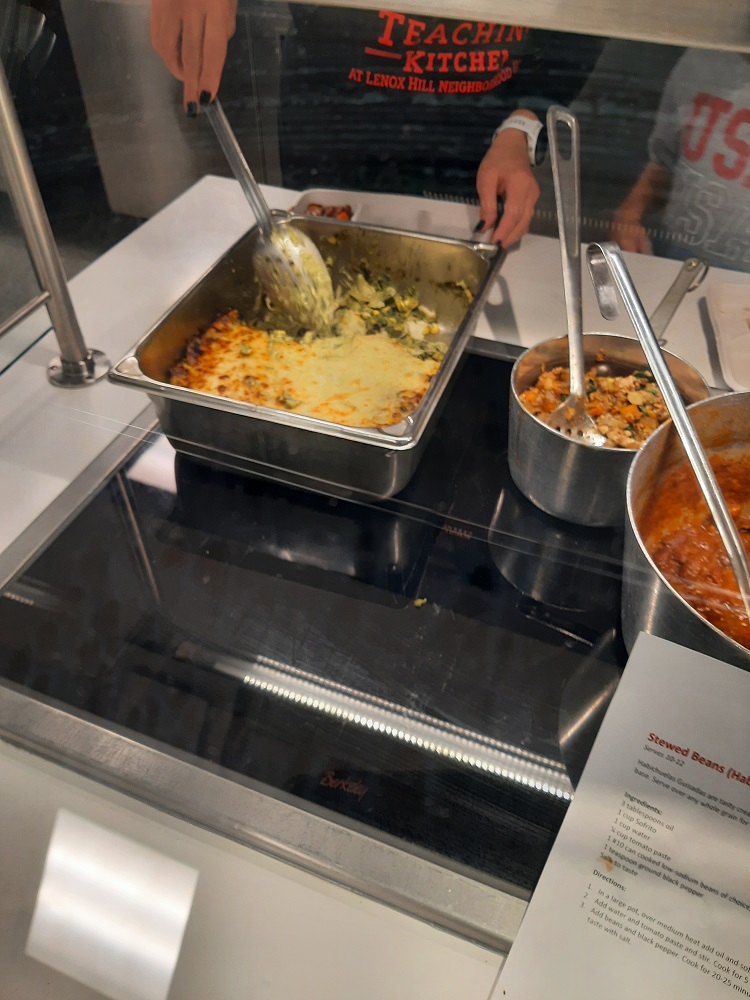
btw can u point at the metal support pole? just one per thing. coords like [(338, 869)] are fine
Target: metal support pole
[(77, 365)]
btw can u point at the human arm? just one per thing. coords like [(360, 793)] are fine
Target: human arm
[(551, 71), (652, 189), (191, 37), (649, 190), (505, 171)]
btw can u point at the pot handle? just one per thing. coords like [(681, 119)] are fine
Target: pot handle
[(690, 275), (566, 174)]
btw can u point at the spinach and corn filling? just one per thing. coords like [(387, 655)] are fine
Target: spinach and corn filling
[(625, 408), (370, 369)]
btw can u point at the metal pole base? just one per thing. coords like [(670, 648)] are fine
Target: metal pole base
[(75, 375)]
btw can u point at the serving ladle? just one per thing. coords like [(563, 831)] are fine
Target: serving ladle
[(571, 417), (610, 275), (287, 262)]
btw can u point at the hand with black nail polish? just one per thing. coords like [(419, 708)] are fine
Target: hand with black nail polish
[(191, 37)]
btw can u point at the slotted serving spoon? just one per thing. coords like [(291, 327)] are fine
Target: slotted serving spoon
[(608, 272), (570, 417), (288, 264)]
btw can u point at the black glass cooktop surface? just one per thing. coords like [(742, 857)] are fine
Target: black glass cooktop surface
[(435, 665)]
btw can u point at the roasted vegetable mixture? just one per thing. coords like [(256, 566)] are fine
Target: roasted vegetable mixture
[(626, 408), (370, 369)]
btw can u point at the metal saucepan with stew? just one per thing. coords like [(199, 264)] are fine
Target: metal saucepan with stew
[(677, 579)]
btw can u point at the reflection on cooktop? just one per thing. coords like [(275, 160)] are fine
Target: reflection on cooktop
[(435, 665)]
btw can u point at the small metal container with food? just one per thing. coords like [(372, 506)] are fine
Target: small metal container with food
[(450, 277), (563, 476)]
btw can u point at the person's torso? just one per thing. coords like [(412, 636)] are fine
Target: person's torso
[(392, 101), (709, 206)]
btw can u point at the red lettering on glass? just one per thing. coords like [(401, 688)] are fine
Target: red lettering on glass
[(459, 61), (437, 35), (476, 62), (458, 37), (412, 64), (483, 34), (391, 18), (414, 32)]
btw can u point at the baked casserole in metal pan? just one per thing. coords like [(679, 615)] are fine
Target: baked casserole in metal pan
[(450, 278)]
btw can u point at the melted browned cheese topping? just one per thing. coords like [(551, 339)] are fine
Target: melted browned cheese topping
[(366, 380)]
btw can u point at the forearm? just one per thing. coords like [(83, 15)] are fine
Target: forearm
[(650, 190), (505, 171)]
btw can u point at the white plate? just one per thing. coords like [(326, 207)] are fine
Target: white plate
[(729, 309), (417, 215)]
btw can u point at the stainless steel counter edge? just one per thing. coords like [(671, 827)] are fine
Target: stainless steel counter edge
[(241, 810)]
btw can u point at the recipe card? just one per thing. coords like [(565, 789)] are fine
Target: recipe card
[(647, 890)]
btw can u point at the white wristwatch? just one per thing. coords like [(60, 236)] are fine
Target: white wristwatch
[(533, 129)]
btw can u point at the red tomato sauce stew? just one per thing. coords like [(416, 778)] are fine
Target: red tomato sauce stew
[(683, 541)]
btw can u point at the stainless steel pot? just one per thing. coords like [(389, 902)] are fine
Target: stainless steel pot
[(555, 563), (562, 476), (649, 602)]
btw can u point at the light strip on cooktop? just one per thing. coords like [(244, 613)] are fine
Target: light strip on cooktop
[(392, 720)]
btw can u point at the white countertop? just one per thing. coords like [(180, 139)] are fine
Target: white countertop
[(528, 305), (48, 436), (258, 927)]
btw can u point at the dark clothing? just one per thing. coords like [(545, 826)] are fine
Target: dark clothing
[(386, 101)]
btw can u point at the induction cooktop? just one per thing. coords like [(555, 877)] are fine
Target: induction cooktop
[(434, 666)]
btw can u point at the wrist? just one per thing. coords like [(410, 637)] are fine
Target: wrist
[(629, 214), (523, 129)]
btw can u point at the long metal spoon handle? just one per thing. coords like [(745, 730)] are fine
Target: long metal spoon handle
[(604, 258), (240, 168), (566, 174), (690, 275)]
